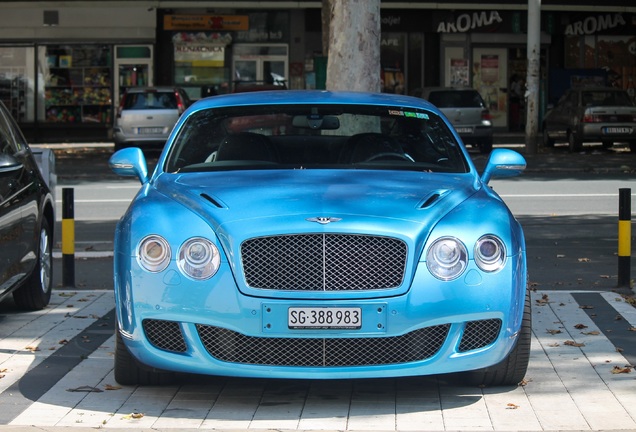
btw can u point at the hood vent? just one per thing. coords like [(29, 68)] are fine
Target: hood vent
[(431, 199), (213, 201)]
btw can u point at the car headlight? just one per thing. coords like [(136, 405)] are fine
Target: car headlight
[(198, 258), (153, 253), (446, 258), (490, 253)]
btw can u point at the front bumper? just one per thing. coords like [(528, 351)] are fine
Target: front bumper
[(171, 323)]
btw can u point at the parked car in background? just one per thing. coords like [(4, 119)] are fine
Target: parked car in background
[(467, 112), (146, 115), (604, 115), (27, 221), (316, 234)]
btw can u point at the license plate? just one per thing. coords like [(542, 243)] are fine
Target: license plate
[(150, 130), (463, 130), (617, 130), (324, 318)]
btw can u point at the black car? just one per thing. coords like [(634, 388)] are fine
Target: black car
[(27, 219)]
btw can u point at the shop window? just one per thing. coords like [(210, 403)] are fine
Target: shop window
[(78, 83), (16, 82)]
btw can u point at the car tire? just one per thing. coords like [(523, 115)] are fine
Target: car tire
[(35, 294), (128, 371), (485, 146), (574, 142), (547, 141), (511, 370)]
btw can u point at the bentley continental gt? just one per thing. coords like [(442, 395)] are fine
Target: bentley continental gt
[(322, 235)]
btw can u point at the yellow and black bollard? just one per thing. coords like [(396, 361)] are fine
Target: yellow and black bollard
[(624, 236), (68, 238)]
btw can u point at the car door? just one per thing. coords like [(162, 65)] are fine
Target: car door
[(18, 203)]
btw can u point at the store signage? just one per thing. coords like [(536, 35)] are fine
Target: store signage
[(206, 22), (595, 24), (200, 55), (469, 21)]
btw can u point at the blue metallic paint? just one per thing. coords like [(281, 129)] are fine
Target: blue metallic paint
[(280, 201)]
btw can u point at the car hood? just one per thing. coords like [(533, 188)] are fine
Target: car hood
[(257, 203)]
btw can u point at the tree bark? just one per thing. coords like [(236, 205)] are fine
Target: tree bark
[(354, 46)]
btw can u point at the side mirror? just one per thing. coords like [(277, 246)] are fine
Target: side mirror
[(9, 163), (503, 163), (130, 162)]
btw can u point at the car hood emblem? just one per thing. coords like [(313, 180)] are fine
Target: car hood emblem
[(323, 220)]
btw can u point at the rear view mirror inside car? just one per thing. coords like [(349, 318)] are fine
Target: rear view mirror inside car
[(315, 121)]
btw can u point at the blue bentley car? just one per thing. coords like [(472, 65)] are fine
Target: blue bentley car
[(323, 235)]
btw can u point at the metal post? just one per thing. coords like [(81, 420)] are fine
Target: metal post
[(68, 238), (624, 236)]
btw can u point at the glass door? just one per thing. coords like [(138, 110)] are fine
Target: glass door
[(133, 68), (260, 63)]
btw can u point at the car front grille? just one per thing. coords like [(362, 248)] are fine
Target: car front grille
[(165, 335), (323, 262), (229, 346), (478, 334)]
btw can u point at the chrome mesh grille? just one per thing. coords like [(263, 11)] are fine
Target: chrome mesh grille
[(165, 335), (323, 262), (478, 334), (229, 346)]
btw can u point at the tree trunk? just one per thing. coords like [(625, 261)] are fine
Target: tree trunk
[(354, 46)]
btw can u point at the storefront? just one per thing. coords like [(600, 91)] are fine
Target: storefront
[(62, 69), (211, 54)]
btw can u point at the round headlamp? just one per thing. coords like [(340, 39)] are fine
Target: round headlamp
[(490, 253), (446, 258), (153, 253), (198, 258)]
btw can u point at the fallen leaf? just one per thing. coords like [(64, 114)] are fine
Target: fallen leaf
[(619, 350), (585, 260), (618, 318), (63, 342), (554, 345), (632, 329), (524, 382), (111, 387), (512, 406), (574, 344), (133, 416), (592, 333), (553, 331), (586, 307), (621, 370), (32, 349), (580, 326), (560, 256)]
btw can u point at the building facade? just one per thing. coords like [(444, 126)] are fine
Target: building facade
[(65, 64)]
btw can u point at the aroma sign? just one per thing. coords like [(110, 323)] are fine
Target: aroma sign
[(593, 24), (467, 21)]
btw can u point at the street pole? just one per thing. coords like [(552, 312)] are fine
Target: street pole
[(532, 80)]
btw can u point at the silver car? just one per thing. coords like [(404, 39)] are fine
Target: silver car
[(467, 111), (593, 114), (146, 115)]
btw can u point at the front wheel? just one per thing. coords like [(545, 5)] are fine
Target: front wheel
[(129, 372), (574, 142), (512, 369), (35, 294), (547, 141)]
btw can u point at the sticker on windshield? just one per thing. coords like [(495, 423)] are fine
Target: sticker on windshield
[(408, 114)]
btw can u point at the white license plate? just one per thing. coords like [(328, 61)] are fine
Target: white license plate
[(324, 317), (463, 130), (617, 130), (150, 130)]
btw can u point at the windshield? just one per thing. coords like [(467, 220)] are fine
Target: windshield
[(306, 137)]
